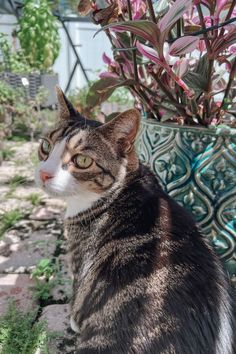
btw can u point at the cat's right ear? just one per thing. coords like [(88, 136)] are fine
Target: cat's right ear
[(65, 107), (123, 129)]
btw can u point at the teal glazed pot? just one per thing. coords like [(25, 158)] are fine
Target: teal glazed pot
[(197, 167)]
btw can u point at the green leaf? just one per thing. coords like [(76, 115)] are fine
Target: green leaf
[(102, 89), (196, 82), (203, 65)]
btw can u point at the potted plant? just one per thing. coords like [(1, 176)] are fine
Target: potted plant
[(178, 60), (31, 66)]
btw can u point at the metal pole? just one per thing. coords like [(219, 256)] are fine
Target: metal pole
[(75, 52)]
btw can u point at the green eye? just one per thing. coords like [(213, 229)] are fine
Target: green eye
[(82, 161), (46, 147)]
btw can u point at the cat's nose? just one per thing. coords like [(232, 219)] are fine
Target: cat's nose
[(45, 176)]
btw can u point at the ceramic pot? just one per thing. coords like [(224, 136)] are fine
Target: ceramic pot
[(197, 167)]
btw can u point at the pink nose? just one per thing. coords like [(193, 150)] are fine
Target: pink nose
[(45, 176)]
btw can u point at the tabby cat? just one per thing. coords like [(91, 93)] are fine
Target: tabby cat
[(144, 278)]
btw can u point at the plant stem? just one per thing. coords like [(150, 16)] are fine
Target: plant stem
[(208, 94), (201, 17), (211, 64), (146, 100), (231, 79), (131, 45), (179, 28), (151, 11), (228, 16), (180, 110)]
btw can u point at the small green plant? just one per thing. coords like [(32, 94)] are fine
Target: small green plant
[(45, 276), (7, 154), (17, 180), (9, 219), (34, 198), (21, 334)]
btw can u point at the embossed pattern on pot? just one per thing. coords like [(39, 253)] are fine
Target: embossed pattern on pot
[(197, 167)]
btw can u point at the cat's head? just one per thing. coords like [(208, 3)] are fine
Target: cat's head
[(82, 160)]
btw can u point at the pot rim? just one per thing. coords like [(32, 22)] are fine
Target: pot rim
[(212, 130)]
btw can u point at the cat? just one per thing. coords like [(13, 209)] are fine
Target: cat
[(144, 278)]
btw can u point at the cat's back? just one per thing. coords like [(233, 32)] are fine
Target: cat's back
[(155, 283)]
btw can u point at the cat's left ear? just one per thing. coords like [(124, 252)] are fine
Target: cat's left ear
[(66, 109), (123, 129)]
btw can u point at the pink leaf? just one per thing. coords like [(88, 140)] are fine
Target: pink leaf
[(147, 30), (184, 45), (175, 12), (108, 74), (106, 59), (222, 43), (149, 53), (181, 67)]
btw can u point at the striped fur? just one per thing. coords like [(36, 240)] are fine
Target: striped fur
[(145, 279)]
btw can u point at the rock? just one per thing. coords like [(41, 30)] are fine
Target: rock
[(16, 286), (4, 249), (45, 213), (27, 253), (57, 318)]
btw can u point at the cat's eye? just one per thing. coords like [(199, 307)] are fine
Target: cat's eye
[(46, 147), (82, 161)]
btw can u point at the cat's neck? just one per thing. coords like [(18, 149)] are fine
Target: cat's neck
[(85, 208), (77, 205)]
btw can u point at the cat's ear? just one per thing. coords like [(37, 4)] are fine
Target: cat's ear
[(66, 109), (123, 129)]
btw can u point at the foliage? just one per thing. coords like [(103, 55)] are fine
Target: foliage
[(35, 199), (20, 334), (9, 219), (38, 34), (47, 275), (81, 100), (176, 58), (7, 154), (12, 60), (21, 114)]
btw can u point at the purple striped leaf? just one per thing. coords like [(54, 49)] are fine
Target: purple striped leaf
[(149, 53), (175, 12), (147, 30), (184, 45)]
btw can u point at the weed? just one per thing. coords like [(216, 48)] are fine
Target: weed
[(7, 154), (14, 182), (17, 180), (45, 275), (9, 219), (18, 138), (20, 334), (35, 199)]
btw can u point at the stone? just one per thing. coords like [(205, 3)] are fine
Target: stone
[(28, 252), (57, 318), (4, 249), (45, 213), (17, 287)]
